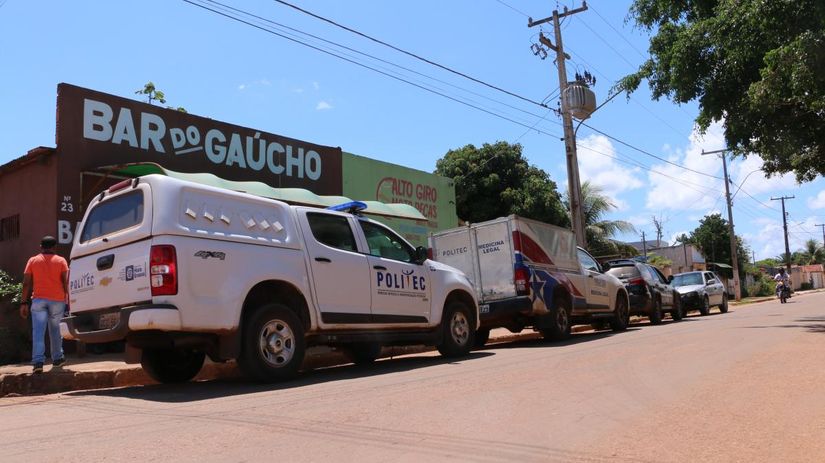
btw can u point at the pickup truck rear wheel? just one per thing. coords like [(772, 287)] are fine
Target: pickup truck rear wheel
[(171, 365), (558, 327), (458, 335), (621, 317), (364, 353), (273, 344), (656, 312)]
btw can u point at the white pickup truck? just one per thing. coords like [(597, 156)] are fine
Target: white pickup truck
[(182, 270), (529, 273)]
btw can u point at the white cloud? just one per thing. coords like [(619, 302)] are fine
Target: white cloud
[(755, 182), (681, 189), (597, 164), (298, 90), (316, 86), (323, 105), (818, 201), (255, 83)]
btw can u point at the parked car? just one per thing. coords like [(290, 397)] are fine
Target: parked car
[(700, 291), (650, 293)]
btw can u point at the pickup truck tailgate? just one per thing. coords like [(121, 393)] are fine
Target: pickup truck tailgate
[(114, 277)]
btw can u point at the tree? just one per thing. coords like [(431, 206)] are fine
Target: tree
[(712, 238), (154, 94), (496, 181), (813, 253), (757, 65), (599, 231)]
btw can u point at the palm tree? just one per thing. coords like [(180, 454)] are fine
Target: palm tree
[(812, 253), (598, 231)]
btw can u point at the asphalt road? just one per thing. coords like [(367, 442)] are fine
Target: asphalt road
[(744, 386)]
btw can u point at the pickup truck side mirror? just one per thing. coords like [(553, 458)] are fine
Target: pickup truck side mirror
[(605, 266), (710, 283), (670, 278), (420, 255)]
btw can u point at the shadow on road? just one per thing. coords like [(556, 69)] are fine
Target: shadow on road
[(809, 324), (205, 390)]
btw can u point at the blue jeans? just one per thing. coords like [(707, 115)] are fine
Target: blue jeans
[(46, 312)]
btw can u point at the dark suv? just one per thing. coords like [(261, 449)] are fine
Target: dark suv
[(650, 293)]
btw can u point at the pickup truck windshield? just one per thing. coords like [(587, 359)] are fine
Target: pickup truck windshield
[(113, 215)]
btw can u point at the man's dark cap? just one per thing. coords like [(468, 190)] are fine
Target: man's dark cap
[(48, 242)]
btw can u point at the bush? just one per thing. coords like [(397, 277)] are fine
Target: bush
[(806, 286), (15, 335)]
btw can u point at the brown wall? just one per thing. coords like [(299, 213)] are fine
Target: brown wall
[(29, 190)]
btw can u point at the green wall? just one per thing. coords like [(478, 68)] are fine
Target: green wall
[(434, 196)]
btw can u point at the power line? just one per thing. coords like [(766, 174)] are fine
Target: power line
[(633, 66), (514, 9), (492, 113), (617, 32), (381, 42), (617, 140), (336, 44)]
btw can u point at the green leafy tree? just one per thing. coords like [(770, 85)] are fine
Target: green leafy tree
[(812, 253), (9, 289), (712, 238), (599, 232), (496, 180), (757, 65), (153, 94)]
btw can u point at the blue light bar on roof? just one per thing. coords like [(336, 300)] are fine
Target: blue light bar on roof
[(353, 207)]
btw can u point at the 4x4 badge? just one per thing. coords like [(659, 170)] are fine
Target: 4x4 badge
[(207, 254)]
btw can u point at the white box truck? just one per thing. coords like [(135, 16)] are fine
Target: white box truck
[(529, 273), (181, 270)]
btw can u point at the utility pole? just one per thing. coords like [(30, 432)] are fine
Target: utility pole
[(737, 289), (574, 185), (644, 246), (785, 227), (822, 225)]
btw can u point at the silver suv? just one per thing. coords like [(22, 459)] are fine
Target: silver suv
[(700, 291)]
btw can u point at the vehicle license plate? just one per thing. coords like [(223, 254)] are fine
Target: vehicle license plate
[(108, 320)]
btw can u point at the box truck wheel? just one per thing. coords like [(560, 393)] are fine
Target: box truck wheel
[(457, 332), (482, 336), (363, 353), (273, 344), (171, 365)]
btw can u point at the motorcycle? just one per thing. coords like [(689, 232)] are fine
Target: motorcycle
[(783, 291)]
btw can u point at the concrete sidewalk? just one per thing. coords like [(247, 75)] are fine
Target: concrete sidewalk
[(109, 370)]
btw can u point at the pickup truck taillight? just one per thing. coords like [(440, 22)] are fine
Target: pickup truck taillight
[(163, 270), (522, 280)]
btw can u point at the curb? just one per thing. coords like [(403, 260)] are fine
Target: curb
[(59, 380)]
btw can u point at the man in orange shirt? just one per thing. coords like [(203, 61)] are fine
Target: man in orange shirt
[(48, 275)]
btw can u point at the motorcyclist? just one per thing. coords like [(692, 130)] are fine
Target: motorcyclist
[(783, 278)]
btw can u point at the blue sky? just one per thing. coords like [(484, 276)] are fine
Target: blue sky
[(219, 68)]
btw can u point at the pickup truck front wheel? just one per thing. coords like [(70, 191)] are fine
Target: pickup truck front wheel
[(621, 314), (458, 335), (171, 365), (273, 344)]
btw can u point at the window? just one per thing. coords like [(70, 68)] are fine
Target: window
[(113, 215), (332, 230), (658, 275), (384, 243), (588, 262), (10, 228), (646, 273)]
